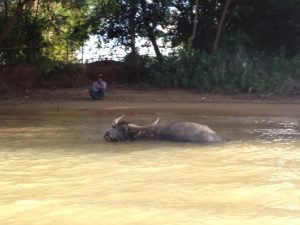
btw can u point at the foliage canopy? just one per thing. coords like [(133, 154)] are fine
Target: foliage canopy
[(35, 30)]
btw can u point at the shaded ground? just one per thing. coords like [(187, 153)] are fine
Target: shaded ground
[(122, 100)]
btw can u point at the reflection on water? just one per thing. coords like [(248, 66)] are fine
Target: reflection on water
[(59, 171)]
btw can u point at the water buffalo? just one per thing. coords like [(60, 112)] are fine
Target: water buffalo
[(178, 131)]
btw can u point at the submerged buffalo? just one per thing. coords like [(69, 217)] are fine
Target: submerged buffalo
[(178, 131)]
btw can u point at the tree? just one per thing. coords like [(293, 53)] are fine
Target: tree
[(270, 25), (53, 29), (150, 30), (131, 19), (132, 26), (56, 28), (7, 28), (183, 18), (191, 39), (220, 25)]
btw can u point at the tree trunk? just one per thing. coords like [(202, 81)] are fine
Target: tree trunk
[(36, 8), (150, 31), (5, 2), (132, 27), (220, 25), (191, 39), (8, 27)]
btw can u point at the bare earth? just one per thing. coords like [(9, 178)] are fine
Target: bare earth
[(125, 101)]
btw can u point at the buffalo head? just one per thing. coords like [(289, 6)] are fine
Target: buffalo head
[(122, 130)]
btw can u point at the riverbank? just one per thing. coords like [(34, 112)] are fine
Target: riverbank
[(125, 101)]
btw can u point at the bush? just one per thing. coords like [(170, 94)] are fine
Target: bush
[(61, 74), (229, 72), (138, 66)]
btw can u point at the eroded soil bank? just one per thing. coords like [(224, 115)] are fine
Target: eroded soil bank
[(125, 101)]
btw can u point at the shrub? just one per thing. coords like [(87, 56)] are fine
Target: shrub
[(61, 74), (234, 71)]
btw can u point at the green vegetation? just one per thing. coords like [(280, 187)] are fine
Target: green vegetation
[(228, 72), (225, 46), (35, 29)]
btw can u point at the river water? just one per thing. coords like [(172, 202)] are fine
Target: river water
[(58, 170)]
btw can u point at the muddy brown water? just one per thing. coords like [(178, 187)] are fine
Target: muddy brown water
[(59, 170)]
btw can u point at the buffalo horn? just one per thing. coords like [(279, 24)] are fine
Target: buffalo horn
[(117, 120), (134, 127)]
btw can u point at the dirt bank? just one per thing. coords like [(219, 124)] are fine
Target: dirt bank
[(120, 101)]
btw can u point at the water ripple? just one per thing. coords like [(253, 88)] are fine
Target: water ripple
[(61, 172)]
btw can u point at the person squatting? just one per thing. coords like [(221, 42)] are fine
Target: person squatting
[(98, 88)]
